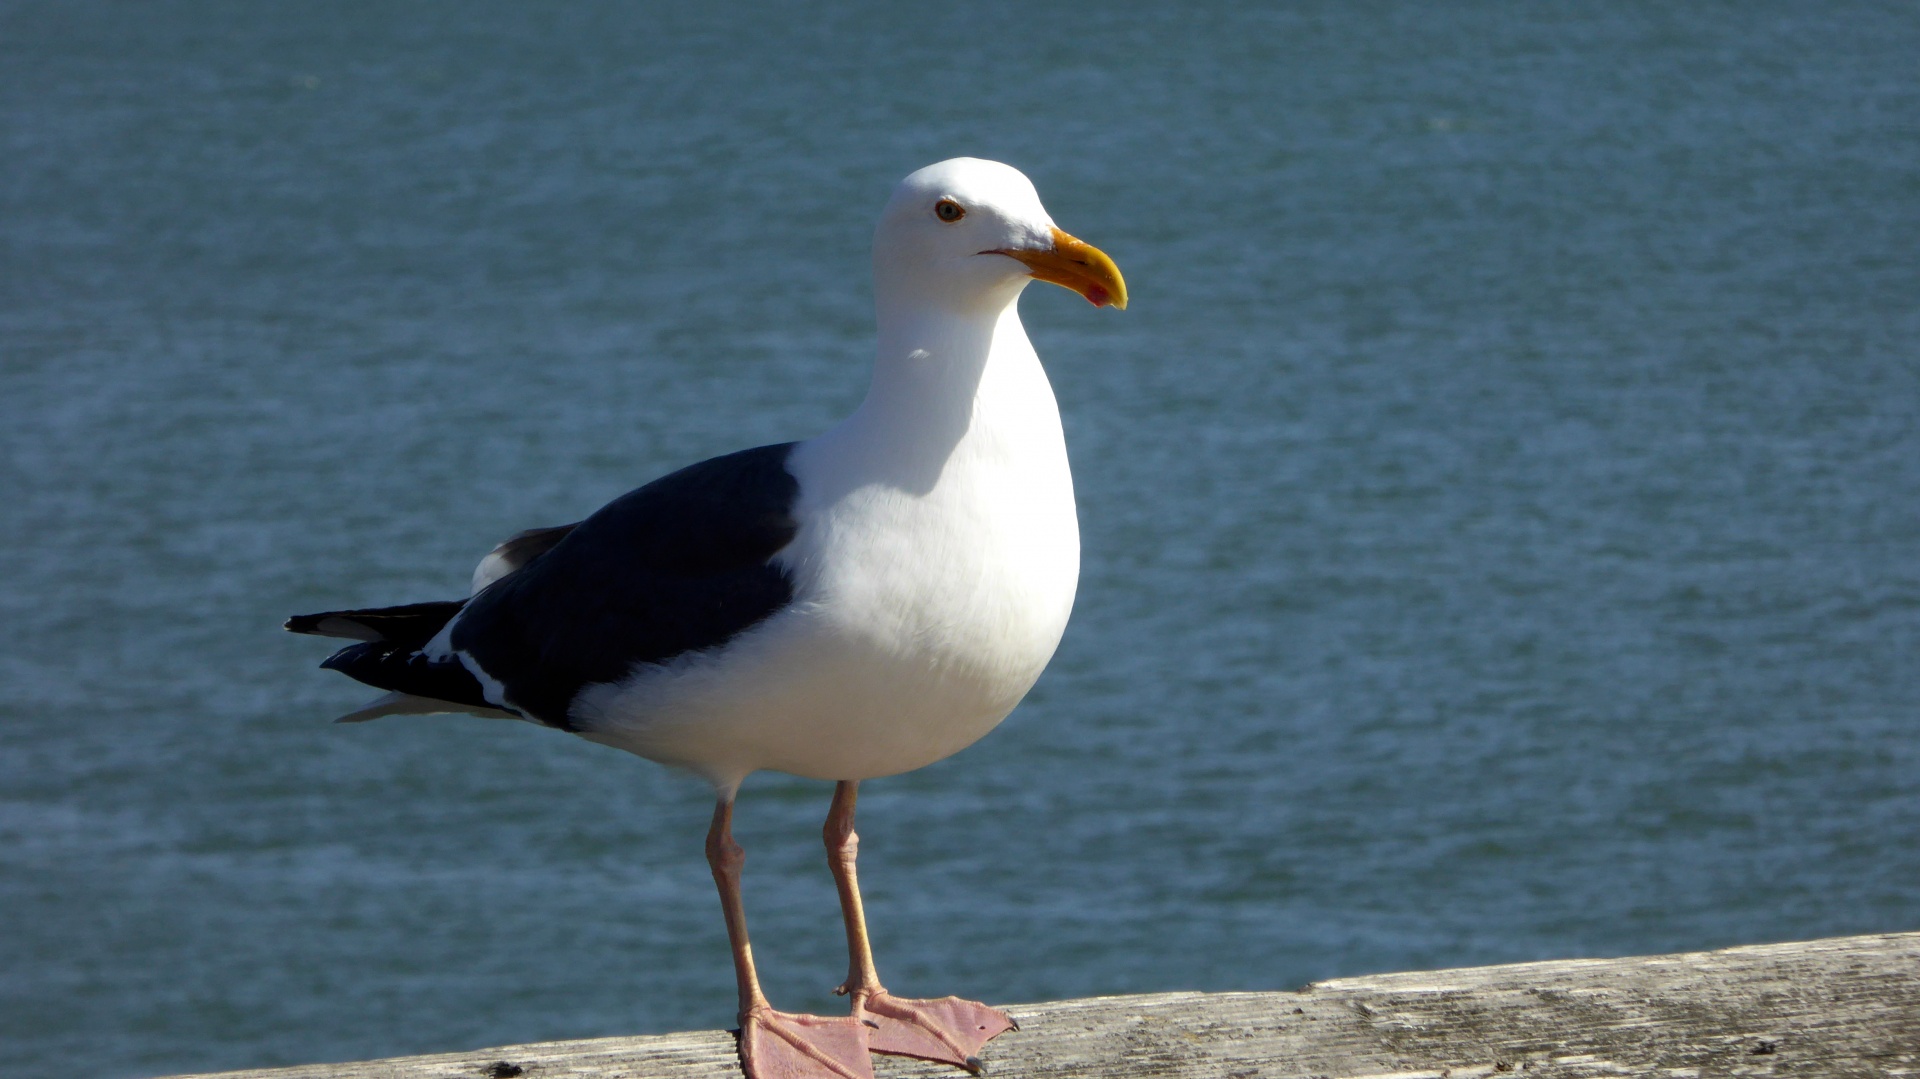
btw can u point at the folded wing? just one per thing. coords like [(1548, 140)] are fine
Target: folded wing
[(680, 565)]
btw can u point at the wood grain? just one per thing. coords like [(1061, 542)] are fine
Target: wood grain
[(1848, 1006)]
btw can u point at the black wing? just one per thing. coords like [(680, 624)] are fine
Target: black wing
[(391, 658), (677, 566), (411, 625)]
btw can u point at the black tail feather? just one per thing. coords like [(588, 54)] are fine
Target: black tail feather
[(410, 626), (399, 667)]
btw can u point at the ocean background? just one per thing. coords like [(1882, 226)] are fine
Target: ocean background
[(1501, 502)]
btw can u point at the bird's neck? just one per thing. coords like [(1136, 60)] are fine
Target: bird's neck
[(942, 378), (929, 365)]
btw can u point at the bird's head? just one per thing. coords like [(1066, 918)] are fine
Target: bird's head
[(973, 232)]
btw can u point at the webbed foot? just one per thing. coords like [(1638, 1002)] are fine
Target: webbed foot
[(784, 1045), (948, 1030)]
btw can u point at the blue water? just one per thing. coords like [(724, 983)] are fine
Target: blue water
[(1501, 501)]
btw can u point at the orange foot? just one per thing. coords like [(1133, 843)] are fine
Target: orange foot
[(782, 1045), (948, 1030)]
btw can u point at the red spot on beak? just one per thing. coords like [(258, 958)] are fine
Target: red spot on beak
[(1097, 296)]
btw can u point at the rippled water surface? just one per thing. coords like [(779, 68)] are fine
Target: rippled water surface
[(1501, 503)]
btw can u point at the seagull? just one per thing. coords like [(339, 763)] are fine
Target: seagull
[(851, 606)]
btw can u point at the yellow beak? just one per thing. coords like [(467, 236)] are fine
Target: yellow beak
[(1077, 265)]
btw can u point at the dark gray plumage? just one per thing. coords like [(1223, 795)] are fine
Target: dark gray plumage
[(679, 565)]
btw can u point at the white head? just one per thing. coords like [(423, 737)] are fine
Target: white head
[(967, 234)]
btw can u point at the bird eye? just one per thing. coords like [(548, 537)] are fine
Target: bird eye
[(949, 211)]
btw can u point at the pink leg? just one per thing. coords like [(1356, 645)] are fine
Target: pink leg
[(776, 1045), (948, 1030)]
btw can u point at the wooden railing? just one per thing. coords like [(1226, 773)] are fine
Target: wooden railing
[(1848, 1006)]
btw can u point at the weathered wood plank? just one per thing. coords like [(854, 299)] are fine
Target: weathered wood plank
[(1848, 1006)]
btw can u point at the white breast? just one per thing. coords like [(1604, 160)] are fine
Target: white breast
[(934, 571)]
